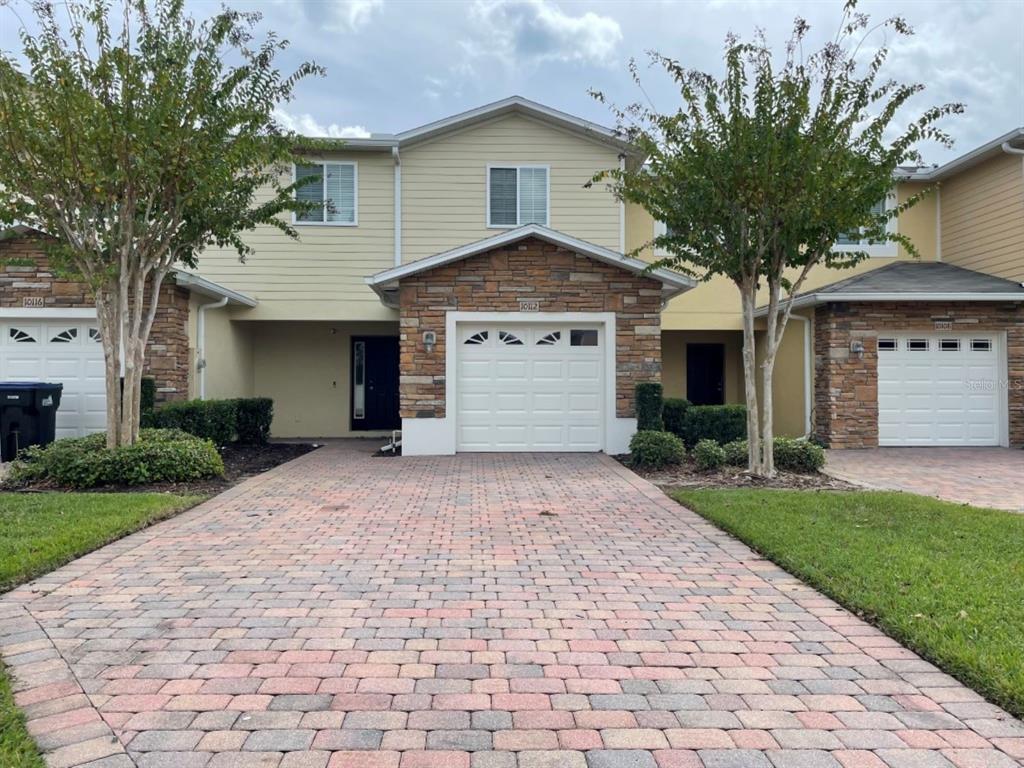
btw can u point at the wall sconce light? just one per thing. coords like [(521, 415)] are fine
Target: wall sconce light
[(857, 347), (429, 341)]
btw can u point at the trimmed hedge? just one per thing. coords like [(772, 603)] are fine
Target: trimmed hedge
[(648, 407), (214, 420), (791, 455), (159, 456), (254, 415), (798, 455), (651, 449), (147, 398), (673, 413), (246, 419), (721, 423), (708, 455)]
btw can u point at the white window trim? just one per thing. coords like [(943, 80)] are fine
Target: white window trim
[(518, 167), (887, 249), (323, 180), (660, 228)]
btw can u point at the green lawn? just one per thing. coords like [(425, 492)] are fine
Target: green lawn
[(42, 531), (944, 579)]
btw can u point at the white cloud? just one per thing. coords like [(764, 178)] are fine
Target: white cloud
[(538, 30), (358, 13), (305, 124), (341, 15)]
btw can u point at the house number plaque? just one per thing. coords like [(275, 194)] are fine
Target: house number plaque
[(529, 306), (33, 302)]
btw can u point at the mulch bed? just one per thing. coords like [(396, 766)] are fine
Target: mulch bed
[(240, 462), (687, 475)]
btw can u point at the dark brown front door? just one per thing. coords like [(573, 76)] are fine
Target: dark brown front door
[(375, 383), (705, 374)]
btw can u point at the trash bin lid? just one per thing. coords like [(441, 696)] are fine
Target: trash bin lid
[(5, 385)]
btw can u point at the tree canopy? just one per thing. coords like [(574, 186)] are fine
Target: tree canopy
[(134, 145), (758, 174)]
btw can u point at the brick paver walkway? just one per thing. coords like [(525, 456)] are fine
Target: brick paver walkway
[(984, 477), (528, 611)]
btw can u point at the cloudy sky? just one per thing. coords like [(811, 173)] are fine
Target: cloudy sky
[(395, 64)]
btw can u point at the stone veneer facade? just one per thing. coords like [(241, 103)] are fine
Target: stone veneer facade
[(846, 386), (532, 270), (25, 273)]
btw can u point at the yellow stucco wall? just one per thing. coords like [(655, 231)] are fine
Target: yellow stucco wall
[(983, 218), (673, 361), (229, 352), (788, 392), (788, 395), (305, 368)]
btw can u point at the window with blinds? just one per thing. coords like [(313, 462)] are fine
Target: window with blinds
[(517, 195), (854, 238), (335, 190)]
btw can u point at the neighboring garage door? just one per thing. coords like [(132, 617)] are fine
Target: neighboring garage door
[(64, 351), (939, 389), (530, 387)]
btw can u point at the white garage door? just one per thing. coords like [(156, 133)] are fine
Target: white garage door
[(939, 389), (68, 352), (529, 387)]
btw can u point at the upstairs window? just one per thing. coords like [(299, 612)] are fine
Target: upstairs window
[(335, 190), (854, 238), (517, 195)]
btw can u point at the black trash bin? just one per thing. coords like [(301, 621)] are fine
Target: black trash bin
[(28, 415)]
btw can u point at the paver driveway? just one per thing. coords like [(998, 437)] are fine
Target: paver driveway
[(529, 611), (984, 477)]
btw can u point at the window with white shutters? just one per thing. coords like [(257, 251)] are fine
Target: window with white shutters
[(517, 195), (335, 189)]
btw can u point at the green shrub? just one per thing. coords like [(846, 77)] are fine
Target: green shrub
[(214, 420), (708, 454), (721, 423), (648, 407), (159, 456), (147, 398), (673, 413), (254, 415), (246, 419), (736, 454), (651, 449), (798, 455), (790, 455)]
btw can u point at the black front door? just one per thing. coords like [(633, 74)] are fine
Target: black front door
[(705, 374), (375, 382)]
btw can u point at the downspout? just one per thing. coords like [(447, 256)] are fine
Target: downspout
[(622, 212), (1011, 150), (398, 206), (201, 340), (808, 373)]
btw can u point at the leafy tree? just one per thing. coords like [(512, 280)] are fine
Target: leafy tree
[(135, 144), (758, 174)]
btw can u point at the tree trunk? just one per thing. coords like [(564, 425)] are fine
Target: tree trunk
[(748, 299), (767, 414), (110, 338)]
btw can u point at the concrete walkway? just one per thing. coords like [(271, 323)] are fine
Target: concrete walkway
[(981, 477), (489, 611)]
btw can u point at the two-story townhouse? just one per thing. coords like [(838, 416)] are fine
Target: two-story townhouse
[(464, 284)]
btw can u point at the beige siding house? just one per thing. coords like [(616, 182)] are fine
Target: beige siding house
[(463, 283)]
